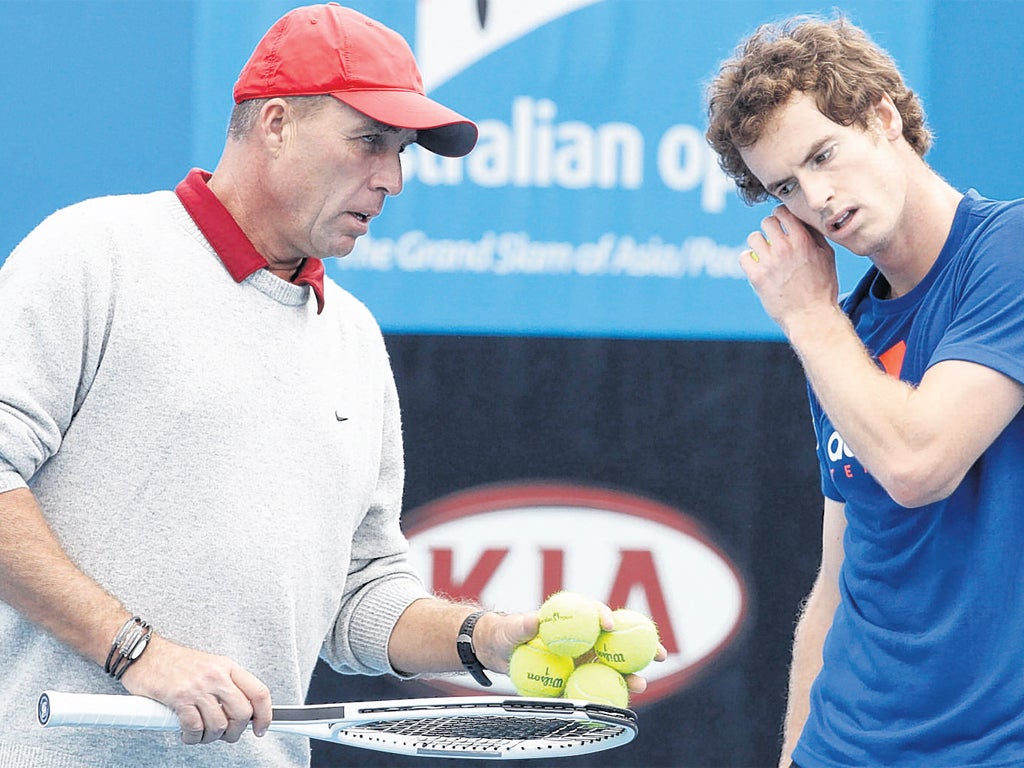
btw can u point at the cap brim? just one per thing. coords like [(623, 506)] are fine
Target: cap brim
[(439, 129)]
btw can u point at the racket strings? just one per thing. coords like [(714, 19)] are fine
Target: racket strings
[(460, 730)]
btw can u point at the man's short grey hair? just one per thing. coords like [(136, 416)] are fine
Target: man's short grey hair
[(245, 115)]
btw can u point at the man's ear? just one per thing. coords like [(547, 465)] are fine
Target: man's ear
[(273, 121), (888, 119)]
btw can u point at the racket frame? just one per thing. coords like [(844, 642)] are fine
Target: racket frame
[(362, 724)]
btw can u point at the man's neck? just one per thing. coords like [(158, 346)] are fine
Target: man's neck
[(921, 234), (231, 189)]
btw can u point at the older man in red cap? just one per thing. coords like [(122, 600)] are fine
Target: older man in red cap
[(200, 445)]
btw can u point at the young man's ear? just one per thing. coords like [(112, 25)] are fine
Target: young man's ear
[(887, 118)]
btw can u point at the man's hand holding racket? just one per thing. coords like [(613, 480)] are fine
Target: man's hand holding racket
[(212, 696)]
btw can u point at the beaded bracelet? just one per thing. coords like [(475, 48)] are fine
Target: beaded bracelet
[(129, 643)]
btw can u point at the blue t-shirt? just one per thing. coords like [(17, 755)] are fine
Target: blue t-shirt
[(924, 663)]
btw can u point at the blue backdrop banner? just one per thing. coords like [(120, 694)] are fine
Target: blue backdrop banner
[(591, 206)]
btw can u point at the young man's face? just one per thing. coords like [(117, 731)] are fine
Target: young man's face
[(844, 182)]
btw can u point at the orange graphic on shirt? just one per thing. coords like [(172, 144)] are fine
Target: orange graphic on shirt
[(892, 359)]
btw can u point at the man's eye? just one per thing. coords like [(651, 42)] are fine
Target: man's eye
[(786, 189)]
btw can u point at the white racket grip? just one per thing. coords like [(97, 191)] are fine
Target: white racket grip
[(105, 711)]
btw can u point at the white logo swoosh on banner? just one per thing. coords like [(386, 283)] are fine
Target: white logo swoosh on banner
[(452, 35)]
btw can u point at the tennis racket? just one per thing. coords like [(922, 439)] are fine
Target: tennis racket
[(470, 727)]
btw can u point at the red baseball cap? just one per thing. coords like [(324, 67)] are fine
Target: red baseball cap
[(328, 49)]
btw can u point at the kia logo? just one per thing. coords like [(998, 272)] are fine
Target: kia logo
[(511, 545)]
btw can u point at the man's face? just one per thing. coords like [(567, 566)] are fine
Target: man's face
[(842, 181), (331, 177)]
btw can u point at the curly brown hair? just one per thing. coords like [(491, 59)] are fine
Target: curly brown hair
[(833, 60)]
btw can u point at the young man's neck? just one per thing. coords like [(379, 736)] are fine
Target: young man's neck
[(927, 219)]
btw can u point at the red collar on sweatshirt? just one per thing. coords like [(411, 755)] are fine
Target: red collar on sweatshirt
[(236, 251)]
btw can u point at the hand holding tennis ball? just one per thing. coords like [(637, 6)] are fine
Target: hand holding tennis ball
[(631, 645), (588, 648), (536, 671), (570, 623), (598, 683)]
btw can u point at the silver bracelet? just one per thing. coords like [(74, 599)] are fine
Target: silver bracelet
[(129, 643)]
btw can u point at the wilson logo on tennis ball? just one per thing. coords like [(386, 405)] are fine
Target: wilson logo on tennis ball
[(546, 681), (512, 545)]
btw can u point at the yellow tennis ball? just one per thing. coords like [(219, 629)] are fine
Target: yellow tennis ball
[(598, 683), (569, 623), (536, 671), (631, 645)]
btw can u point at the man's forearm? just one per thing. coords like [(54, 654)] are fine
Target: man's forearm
[(424, 638), (808, 641), (864, 404), (39, 580)]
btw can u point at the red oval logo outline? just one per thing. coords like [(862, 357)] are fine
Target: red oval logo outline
[(527, 497)]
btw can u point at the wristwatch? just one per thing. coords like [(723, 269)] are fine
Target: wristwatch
[(464, 646)]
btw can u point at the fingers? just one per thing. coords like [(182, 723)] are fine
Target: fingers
[(214, 720), (758, 246), (516, 628), (774, 238), (784, 227), (774, 229), (257, 699), (211, 719), (203, 721), (636, 683), (237, 711), (497, 635), (214, 698), (193, 728), (528, 627), (225, 714), (784, 219)]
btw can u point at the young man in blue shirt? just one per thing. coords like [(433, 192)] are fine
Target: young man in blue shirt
[(907, 651)]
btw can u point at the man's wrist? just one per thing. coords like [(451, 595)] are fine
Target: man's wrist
[(128, 645), (467, 651)]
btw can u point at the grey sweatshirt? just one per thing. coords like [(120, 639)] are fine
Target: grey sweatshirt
[(218, 456)]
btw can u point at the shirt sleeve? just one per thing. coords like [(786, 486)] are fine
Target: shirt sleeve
[(822, 435), (986, 325)]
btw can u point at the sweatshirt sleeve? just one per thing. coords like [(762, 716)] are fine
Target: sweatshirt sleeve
[(54, 310), (381, 581)]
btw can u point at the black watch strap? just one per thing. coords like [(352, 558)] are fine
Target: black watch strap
[(464, 645)]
